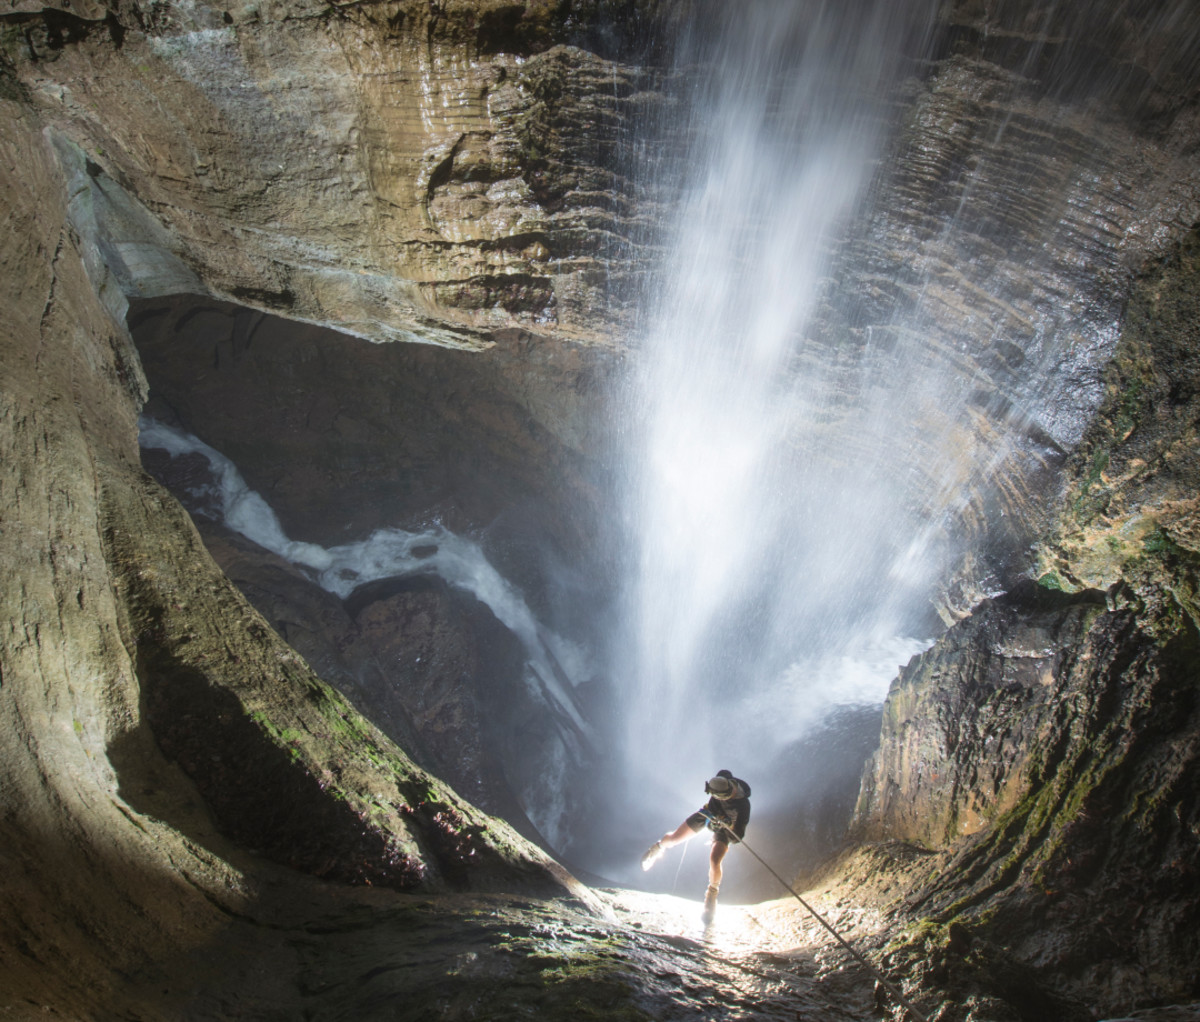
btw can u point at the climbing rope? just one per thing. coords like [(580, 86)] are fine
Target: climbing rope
[(678, 869), (887, 984)]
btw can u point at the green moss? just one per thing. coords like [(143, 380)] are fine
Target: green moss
[(589, 985), (341, 717), (926, 930), (1053, 582), (1095, 470), (1158, 542), (286, 738), (1129, 408)]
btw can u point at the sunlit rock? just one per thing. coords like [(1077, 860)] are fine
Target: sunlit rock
[(393, 169)]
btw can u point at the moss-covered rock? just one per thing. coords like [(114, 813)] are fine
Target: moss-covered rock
[(286, 765), (1048, 747), (1131, 515), (1048, 750)]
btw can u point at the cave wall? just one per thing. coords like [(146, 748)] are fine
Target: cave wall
[(1038, 167), (455, 174), (155, 728), (75, 868), (1048, 746), (393, 169)]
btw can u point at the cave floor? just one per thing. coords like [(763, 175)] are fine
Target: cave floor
[(307, 950)]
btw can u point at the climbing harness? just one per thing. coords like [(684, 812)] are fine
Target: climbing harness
[(887, 984)]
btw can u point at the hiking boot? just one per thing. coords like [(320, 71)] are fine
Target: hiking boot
[(653, 854), (710, 904)]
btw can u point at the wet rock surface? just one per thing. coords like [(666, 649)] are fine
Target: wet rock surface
[(1129, 519), (985, 290), (176, 780), (1048, 750), (331, 795), (1047, 747), (298, 948)]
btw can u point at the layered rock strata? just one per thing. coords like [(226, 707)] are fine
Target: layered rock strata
[(1047, 748), (393, 169), (984, 294)]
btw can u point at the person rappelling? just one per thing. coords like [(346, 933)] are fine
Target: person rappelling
[(725, 814)]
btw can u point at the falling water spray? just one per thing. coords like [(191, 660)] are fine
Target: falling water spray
[(872, 343), (755, 600)]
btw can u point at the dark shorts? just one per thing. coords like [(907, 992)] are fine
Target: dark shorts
[(698, 821)]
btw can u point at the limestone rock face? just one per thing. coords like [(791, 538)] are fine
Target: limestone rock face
[(428, 665), (406, 172), (1130, 510), (384, 167), (285, 765), (154, 723), (1048, 751), (985, 291), (1047, 746), (969, 726)]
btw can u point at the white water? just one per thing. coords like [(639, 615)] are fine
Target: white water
[(389, 553), (767, 588)]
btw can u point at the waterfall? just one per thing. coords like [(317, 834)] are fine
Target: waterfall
[(823, 385), (889, 291), (387, 553), (759, 594)]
